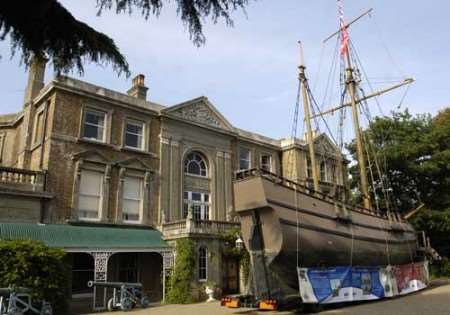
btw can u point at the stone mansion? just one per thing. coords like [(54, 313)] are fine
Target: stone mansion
[(115, 179)]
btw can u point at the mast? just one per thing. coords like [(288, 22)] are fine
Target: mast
[(351, 84), (309, 133)]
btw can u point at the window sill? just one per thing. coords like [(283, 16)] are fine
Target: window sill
[(136, 150), (197, 176), (97, 142)]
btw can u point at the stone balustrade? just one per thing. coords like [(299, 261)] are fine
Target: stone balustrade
[(22, 179), (183, 228)]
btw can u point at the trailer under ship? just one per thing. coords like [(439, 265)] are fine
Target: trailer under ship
[(288, 226)]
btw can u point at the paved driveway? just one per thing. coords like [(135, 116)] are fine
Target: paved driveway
[(433, 301)]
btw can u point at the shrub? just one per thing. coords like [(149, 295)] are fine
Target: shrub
[(180, 282), (33, 265)]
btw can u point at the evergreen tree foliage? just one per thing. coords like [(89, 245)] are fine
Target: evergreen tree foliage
[(46, 27), (414, 153), (35, 266), (180, 291)]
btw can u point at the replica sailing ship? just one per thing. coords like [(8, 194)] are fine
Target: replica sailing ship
[(288, 227)]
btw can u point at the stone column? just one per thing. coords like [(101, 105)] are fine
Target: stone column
[(105, 195), (228, 191), (119, 202), (76, 189)]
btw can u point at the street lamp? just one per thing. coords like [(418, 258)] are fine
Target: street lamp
[(239, 243)]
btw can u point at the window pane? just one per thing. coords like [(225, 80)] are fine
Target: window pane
[(91, 183), (133, 134), (195, 164), (95, 118), (132, 141), (132, 188), (94, 125), (196, 196), (88, 203), (135, 128), (193, 168), (131, 206), (244, 159), (132, 198)]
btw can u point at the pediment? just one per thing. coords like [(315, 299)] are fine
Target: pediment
[(134, 163), (91, 156), (324, 144), (200, 110)]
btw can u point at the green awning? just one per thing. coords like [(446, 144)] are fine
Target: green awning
[(85, 237)]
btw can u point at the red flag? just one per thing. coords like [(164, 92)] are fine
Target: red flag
[(344, 33)]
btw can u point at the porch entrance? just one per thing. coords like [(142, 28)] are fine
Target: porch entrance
[(230, 277)]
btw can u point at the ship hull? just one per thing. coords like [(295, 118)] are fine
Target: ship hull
[(302, 229)]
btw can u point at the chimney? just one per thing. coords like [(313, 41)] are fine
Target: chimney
[(36, 74), (138, 89)]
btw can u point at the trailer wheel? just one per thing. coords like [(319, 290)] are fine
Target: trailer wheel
[(110, 305), (145, 301), (126, 304)]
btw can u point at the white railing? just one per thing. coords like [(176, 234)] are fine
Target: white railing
[(185, 227), (16, 178)]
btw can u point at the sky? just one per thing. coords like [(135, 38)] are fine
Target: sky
[(249, 71)]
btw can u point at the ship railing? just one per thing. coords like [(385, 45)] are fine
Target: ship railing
[(299, 186), (22, 179)]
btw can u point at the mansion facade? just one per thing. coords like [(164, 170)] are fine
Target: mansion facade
[(80, 156)]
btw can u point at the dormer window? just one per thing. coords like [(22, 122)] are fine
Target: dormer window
[(195, 164)]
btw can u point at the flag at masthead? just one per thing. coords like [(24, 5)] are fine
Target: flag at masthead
[(344, 33)]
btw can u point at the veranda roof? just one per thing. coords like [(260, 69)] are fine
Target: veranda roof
[(72, 237)]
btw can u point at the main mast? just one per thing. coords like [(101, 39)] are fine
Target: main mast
[(351, 85), (309, 132)]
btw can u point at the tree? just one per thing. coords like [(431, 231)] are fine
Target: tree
[(414, 154), (33, 265), (46, 27), (401, 148)]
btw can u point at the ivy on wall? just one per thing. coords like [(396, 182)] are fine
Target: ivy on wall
[(180, 291), (230, 249)]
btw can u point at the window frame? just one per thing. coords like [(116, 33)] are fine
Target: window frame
[(136, 122), (187, 161), (100, 197), (323, 178), (141, 203), (88, 109), (249, 158), (205, 206), (38, 132), (270, 169), (202, 264)]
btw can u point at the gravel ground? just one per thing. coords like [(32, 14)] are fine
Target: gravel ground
[(432, 301)]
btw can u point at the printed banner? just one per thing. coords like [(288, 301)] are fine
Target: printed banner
[(346, 284)]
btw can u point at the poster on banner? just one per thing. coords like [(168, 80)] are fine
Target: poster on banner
[(410, 278), (346, 284), (339, 284)]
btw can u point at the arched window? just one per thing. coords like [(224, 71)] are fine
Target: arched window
[(195, 164), (202, 264)]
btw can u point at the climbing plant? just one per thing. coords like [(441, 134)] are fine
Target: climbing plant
[(230, 249), (180, 282)]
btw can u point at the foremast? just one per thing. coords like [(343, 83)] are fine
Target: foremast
[(309, 132)]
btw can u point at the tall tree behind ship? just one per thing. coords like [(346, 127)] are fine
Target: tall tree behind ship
[(414, 153)]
